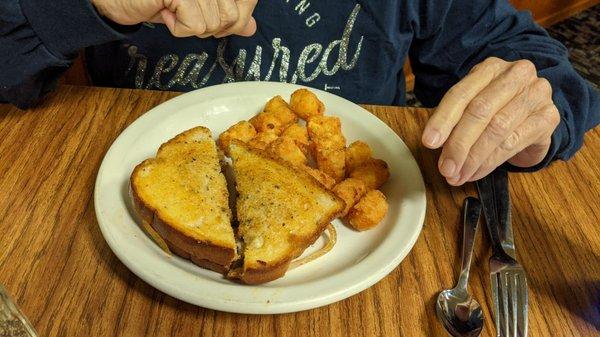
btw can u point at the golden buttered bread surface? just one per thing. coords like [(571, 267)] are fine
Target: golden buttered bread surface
[(281, 210), (185, 188)]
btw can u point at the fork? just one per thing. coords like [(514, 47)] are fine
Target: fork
[(508, 279)]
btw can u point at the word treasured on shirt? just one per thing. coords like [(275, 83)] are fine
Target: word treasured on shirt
[(193, 71)]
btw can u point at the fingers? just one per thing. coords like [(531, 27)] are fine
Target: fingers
[(186, 18), (229, 14), (478, 114), (204, 18), (245, 24), (453, 104), (519, 147), (502, 124), (212, 16)]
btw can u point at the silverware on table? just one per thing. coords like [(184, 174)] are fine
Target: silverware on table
[(12, 321), (460, 314), (509, 283)]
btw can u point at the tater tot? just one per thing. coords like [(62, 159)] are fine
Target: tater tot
[(243, 131), (277, 104), (306, 104), (320, 176), (350, 190), (299, 134), (357, 154), (270, 122), (368, 212), (332, 162), (373, 173), (328, 145), (276, 117), (262, 140), (286, 149), (267, 122), (326, 133)]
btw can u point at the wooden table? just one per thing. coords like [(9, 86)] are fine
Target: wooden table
[(57, 266)]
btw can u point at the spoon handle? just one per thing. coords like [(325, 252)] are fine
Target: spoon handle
[(471, 213)]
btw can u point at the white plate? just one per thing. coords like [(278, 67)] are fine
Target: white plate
[(357, 261)]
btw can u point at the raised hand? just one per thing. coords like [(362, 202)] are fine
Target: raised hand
[(183, 18)]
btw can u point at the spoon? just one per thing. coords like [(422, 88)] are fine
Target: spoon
[(460, 314)]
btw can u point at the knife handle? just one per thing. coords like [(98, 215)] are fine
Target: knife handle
[(494, 195)]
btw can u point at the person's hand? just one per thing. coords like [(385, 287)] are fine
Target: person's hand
[(501, 111), (202, 18)]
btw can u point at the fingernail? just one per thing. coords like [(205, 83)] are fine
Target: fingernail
[(447, 168), (454, 180), (432, 138)]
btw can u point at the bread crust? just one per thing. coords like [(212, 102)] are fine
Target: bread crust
[(266, 274), (273, 272), (201, 253)]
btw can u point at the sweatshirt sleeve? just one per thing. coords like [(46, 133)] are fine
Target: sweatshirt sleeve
[(450, 37), (40, 39)]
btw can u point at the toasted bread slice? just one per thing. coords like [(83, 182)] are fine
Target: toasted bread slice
[(281, 211), (182, 194)]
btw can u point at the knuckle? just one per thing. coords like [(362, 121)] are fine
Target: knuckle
[(499, 125), (229, 18), (479, 109), (543, 86), (510, 143), (492, 64), (492, 61), (552, 116), (524, 68), (458, 92), (212, 26), (200, 28)]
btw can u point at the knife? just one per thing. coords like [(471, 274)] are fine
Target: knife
[(508, 278)]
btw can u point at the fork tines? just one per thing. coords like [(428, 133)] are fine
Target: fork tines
[(509, 292)]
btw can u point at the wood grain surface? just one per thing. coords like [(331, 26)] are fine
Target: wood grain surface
[(58, 268)]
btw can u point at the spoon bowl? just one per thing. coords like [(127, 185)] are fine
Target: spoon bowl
[(460, 314)]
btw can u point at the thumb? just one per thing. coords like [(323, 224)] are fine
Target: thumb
[(168, 18)]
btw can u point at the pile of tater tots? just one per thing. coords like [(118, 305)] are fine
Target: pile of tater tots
[(319, 148)]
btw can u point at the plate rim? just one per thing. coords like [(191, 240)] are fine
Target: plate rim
[(257, 307)]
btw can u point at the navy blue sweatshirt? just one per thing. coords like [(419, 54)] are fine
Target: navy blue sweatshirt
[(352, 48)]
